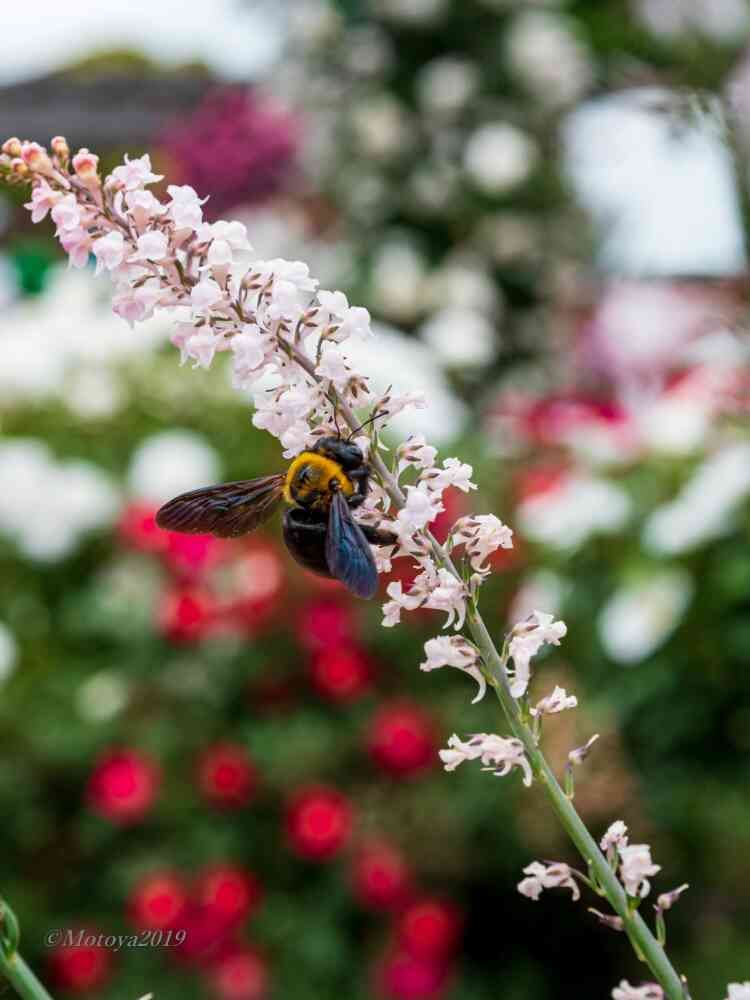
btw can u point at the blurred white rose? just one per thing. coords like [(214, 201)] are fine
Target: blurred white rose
[(546, 56), (499, 157), (381, 126), (398, 280), (8, 653), (102, 696), (573, 509), (721, 20), (412, 11), (464, 283), (71, 325), (641, 616), (45, 505), (705, 507), (391, 358), (460, 337), (541, 589), (446, 85), (171, 462)]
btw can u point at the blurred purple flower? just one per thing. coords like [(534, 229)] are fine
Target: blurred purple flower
[(237, 144)]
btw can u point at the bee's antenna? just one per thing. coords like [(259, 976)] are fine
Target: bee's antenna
[(370, 420), (335, 416)]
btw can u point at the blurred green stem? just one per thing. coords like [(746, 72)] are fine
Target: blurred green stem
[(12, 965), (645, 945)]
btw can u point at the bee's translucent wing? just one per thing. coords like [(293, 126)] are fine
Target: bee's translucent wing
[(348, 552), (226, 510)]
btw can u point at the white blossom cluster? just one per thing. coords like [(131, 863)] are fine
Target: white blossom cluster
[(286, 338)]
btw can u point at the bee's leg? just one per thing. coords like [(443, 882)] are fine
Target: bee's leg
[(378, 536), (361, 479)]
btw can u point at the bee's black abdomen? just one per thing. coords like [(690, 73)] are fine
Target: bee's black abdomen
[(305, 537)]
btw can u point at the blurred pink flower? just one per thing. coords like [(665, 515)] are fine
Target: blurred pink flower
[(237, 144)]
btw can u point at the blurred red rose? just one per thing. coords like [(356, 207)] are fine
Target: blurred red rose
[(318, 822), (401, 739), (187, 615), (157, 901), (227, 777), (190, 555), (254, 582), (123, 785), (381, 878), (80, 967), (207, 934), (327, 624), (430, 928), (232, 893), (536, 480), (402, 976), (240, 975), (341, 674), (137, 528)]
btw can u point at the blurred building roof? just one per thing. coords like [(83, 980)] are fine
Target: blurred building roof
[(98, 111)]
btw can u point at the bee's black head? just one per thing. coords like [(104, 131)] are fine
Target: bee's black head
[(349, 456)]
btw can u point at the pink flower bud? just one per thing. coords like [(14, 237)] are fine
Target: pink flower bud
[(86, 166), (59, 146), (19, 168), (36, 158), (12, 147)]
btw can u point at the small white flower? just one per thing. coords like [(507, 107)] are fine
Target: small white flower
[(454, 473), (496, 753), (201, 346), (448, 595), (420, 509), (666, 900), (388, 406), (66, 213), (152, 245), (333, 305), (399, 601), (109, 251), (250, 350), (615, 837), (143, 206), (296, 438), (185, 207), (415, 452), (333, 367), (204, 295), (135, 173), (481, 534), (738, 991), (528, 637), (356, 322), (455, 651), (134, 304), (648, 991), (579, 754), (635, 867), (558, 701), (554, 876)]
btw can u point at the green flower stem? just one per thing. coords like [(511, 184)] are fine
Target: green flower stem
[(21, 978), (645, 945), (12, 965)]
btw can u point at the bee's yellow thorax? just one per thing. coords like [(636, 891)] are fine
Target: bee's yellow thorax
[(308, 480)]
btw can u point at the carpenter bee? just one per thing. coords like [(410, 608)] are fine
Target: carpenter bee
[(322, 486)]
